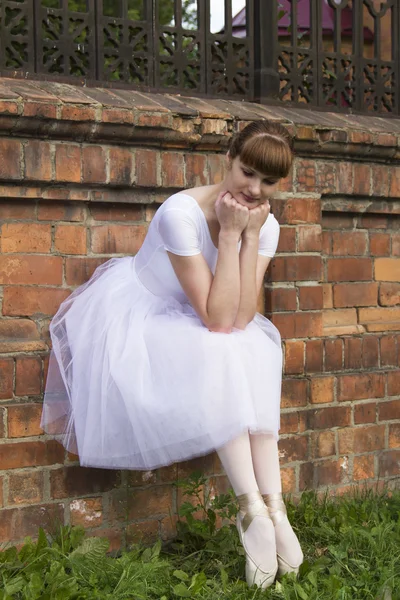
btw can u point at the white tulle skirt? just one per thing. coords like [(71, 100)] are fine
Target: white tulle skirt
[(136, 381)]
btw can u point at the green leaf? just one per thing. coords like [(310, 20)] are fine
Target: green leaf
[(181, 591), (181, 575)]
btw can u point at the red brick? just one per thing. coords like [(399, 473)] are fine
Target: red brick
[(28, 376), (361, 439), (285, 184), (70, 239), (337, 221), (79, 270), (345, 177), (124, 239), (147, 168), (25, 488), (86, 512), (394, 435), (352, 353), (10, 164), (153, 120), (150, 502), (374, 221), (17, 209), (296, 268), (30, 454), (389, 463), (358, 387), (329, 472), (293, 211), (346, 243), (386, 139), (349, 269), (6, 378), (116, 212), (298, 325), (28, 269), (365, 413), (326, 242), (27, 301), (327, 295), (310, 297), (327, 177), (363, 467), (116, 115), (370, 352), (172, 170), (294, 393), (362, 179), (314, 356), (217, 169), (93, 164), (19, 335), (379, 244), (323, 444), (395, 244), (293, 448), (355, 294), (389, 294), (333, 355), (339, 318), (306, 175), (38, 162), (68, 163), (196, 170), (8, 107), (287, 239), (294, 357), (78, 113), (74, 481), (280, 299), (393, 383), (29, 519), (288, 476), (121, 166), (59, 211), (289, 423), (389, 353), (25, 237), (380, 180), (24, 419), (309, 238), (40, 109), (306, 479), (395, 182), (360, 137), (389, 410), (387, 269)]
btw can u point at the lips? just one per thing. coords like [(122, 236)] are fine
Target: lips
[(249, 199)]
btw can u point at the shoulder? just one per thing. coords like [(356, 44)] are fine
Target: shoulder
[(271, 225), (180, 202)]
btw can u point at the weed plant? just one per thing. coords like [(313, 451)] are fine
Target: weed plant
[(351, 545)]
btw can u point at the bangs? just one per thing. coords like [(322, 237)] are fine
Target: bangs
[(267, 154)]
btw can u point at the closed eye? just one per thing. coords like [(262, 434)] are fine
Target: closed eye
[(270, 181)]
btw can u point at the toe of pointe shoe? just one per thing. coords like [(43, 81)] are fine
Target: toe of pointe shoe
[(262, 579)]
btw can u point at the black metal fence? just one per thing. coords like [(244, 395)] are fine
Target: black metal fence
[(335, 54)]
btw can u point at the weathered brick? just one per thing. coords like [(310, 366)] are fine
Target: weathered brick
[(121, 166), (25, 237), (20, 301), (380, 180), (293, 211), (362, 179), (27, 520), (70, 239), (389, 410), (387, 269), (150, 502), (352, 353), (289, 422), (365, 413), (327, 177), (59, 211), (293, 448), (196, 167), (370, 352), (358, 387), (350, 269), (345, 177), (393, 381), (294, 357), (333, 355), (361, 439), (17, 209), (25, 488), (314, 356), (28, 376), (379, 315), (172, 170), (379, 244), (147, 168), (355, 294), (306, 175), (74, 481), (19, 335), (93, 164), (288, 477), (339, 317), (389, 294), (371, 221), (389, 352), (116, 212), (364, 467), (216, 168), (394, 435), (30, 269), (10, 164), (323, 444), (68, 163), (287, 239), (310, 297), (395, 244), (337, 221), (298, 325), (395, 182), (346, 243), (86, 512), (30, 454), (280, 299), (327, 295), (79, 270), (38, 161), (6, 378), (24, 419), (40, 110), (77, 113), (110, 239), (296, 268), (309, 238), (389, 463), (326, 242), (294, 393), (329, 472)]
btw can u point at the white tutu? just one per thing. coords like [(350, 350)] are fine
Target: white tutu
[(136, 381)]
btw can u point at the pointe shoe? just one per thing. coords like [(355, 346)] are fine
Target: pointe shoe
[(277, 511), (251, 506)]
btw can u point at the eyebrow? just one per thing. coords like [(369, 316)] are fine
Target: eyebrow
[(270, 177)]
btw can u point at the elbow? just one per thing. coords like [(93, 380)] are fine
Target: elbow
[(219, 327)]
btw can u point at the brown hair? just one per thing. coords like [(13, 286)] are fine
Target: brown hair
[(265, 146)]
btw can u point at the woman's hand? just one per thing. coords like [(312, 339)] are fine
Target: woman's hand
[(232, 216), (257, 218)]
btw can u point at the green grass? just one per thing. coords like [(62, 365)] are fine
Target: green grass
[(351, 545)]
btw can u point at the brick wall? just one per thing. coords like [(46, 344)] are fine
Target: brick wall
[(81, 173)]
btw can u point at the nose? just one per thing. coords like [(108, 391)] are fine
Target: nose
[(255, 189)]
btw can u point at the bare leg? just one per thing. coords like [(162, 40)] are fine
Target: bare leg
[(266, 467), (259, 538)]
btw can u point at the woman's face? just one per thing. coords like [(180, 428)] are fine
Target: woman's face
[(249, 187)]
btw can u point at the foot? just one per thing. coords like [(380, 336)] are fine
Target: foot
[(257, 535), (288, 549)]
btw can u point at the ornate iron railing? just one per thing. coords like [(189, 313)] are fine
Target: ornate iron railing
[(341, 54)]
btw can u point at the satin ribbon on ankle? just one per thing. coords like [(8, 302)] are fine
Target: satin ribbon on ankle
[(276, 507), (251, 505)]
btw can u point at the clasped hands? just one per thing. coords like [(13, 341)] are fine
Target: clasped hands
[(236, 218)]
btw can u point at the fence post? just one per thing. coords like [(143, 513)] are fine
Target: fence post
[(265, 39)]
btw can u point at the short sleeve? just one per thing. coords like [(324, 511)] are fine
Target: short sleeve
[(269, 237), (179, 233)]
